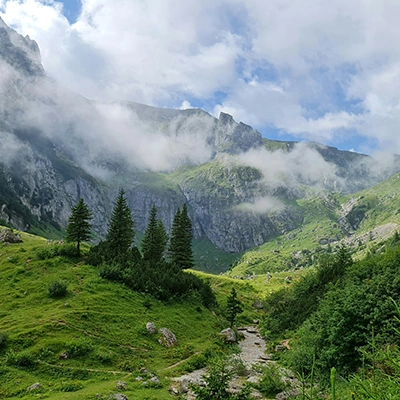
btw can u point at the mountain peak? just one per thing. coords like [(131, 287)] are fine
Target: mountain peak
[(21, 53)]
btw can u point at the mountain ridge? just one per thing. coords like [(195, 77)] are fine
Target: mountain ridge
[(241, 189)]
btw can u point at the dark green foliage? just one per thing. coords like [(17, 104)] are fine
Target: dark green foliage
[(65, 250), (180, 246), (271, 383), (233, 307), (380, 377), (79, 228), (217, 381), (358, 307), (3, 339), (24, 359), (155, 239), (121, 234), (79, 347), (289, 308), (57, 289), (164, 281)]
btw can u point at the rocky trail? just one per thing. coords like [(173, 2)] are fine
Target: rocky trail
[(252, 351)]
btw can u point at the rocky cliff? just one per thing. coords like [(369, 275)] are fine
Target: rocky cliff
[(56, 147)]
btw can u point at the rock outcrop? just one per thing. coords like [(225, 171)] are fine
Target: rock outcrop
[(167, 339), (7, 235)]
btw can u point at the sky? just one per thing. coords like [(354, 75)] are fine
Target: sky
[(304, 70)]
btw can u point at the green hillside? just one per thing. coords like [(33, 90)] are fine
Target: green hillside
[(99, 324), (361, 221)]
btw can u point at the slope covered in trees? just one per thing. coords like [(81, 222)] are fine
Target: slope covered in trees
[(343, 314)]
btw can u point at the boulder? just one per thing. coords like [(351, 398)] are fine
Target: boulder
[(228, 335), (168, 338), (35, 386), (154, 379), (121, 385), (118, 396), (7, 236), (151, 328)]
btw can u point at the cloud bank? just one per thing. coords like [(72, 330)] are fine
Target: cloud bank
[(328, 72)]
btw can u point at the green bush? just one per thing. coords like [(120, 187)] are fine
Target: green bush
[(271, 382), (80, 347), (24, 359), (70, 386), (57, 289), (51, 251), (3, 339)]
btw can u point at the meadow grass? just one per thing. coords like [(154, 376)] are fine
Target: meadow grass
[(99, 324)]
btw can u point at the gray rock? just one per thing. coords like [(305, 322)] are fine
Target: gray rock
[(118, 396), (168, 338), (228, 335), (7, 236), (121, 385), (151, 327), (154, 379), (35, 386), (288, 394)]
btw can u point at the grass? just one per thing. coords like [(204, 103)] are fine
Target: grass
[(99, 324)]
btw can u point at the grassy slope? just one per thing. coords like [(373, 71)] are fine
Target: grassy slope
[(374, 207), (296, 248), (104, 322)]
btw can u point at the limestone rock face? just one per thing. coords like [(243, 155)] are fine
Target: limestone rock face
[(21, 53)]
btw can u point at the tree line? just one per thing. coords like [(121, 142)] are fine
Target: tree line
[(157, 267)]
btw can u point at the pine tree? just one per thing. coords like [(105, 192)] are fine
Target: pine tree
[(155, 239), (233, 307), (79, 227), (121, 233), (180, 245)]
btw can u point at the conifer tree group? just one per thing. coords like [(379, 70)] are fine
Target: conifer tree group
[(180, 245), (157, 269)]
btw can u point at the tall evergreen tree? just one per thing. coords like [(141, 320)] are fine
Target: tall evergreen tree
[(233, 307), (121, 233), (180, 245), (79, 228), (155, 239)]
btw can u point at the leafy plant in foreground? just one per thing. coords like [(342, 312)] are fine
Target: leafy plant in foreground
[(57, 289)]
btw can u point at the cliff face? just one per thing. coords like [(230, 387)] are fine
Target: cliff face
[(56, 147)]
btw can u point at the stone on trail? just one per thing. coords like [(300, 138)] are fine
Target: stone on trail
[(228, 335)]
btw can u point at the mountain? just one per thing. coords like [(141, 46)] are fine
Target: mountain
[(241, 189)]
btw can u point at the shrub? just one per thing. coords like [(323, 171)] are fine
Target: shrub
[(51, 251), (80, 347), (24, 359), (3, 339), (271, 382), (70, 386), (57, 289)]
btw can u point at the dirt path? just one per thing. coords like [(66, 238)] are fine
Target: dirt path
[(252, 346), (252, 349)]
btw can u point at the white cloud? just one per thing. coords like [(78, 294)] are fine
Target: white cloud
[(316, 70)]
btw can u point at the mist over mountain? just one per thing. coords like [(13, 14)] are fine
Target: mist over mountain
[(57, 146)]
